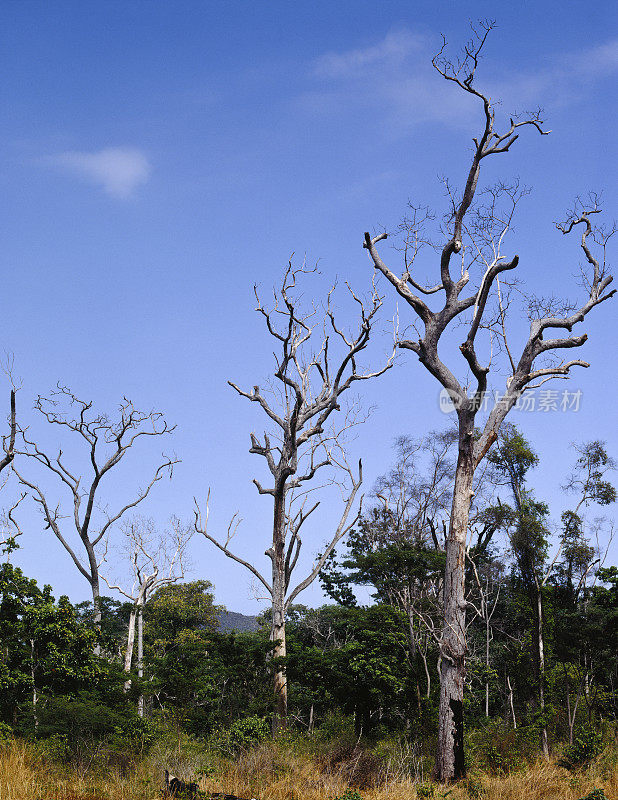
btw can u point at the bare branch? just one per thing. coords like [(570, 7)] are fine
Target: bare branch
[(201, 526)]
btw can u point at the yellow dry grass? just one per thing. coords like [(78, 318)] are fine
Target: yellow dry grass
[(270, 774)]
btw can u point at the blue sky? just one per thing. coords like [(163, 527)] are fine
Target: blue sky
[(160, 158)]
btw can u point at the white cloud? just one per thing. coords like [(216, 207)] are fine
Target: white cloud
[(567, 78), (393, 49), (394, 83), (117, 170), (600, 60), (391, 81)]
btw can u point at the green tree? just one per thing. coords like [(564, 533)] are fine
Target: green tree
[(47, 649)]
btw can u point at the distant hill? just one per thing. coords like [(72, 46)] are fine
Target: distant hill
[(233, 621)]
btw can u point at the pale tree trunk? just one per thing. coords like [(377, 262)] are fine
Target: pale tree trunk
[(280, 683), (128, 653), (450, 763), (570, 716), (135, 620), (487, 634), (35, 696), (277, 634), (96, 594), (571, 712), (541, 656), (511, 703), (427, 675), (140, 656)]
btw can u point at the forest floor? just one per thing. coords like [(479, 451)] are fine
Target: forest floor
[(269, 773)]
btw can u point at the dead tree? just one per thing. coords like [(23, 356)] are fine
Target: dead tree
[(8, 442), (473, 236), (105, 442), (157, 558), (8, 544), (309, 385)]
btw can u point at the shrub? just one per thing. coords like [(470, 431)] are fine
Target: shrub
[(585, 747), (352, 764), (6, 733), (595, 794), (240, 735), (349, 794), (501, 751)]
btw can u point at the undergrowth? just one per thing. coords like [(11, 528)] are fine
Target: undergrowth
[(287, 769)]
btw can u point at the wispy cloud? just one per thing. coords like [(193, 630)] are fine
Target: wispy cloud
[(119, 171), (393, 50), (565, 79), (392, 80)]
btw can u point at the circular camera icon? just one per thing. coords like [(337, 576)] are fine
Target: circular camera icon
[(446, 404)]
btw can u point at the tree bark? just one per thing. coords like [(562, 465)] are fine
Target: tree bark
[(96, 609), (450, 763), (140, 656), (511, 703), (277, 634), (541, 662), (128, 654), (35, 696)]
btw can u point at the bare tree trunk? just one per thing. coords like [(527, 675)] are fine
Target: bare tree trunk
[(487, 631), (570, 718), (450, 764), (140, 656), (35, 695), (511, 704), (128, 654), (96, 601), (571, 712), (277, 633), (541, 656)]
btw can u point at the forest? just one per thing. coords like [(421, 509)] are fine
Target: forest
[(467, 645), (363, 678)]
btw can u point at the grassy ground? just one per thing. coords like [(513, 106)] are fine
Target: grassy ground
[(273, 772)]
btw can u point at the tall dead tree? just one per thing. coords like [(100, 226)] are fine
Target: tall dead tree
[(475, 230), (310, 382), (104, 442), (157, 558)]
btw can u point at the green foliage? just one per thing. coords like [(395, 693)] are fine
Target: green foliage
[(240, 735), (501, 751), (513, 455), (180, 622), (595, 794), (47, 649), (588, 477), (425, 790), (349, 794), (586, 746), (6, 733), (84, 723), (353, 658)]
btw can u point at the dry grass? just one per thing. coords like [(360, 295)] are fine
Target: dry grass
[(271, 773)]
